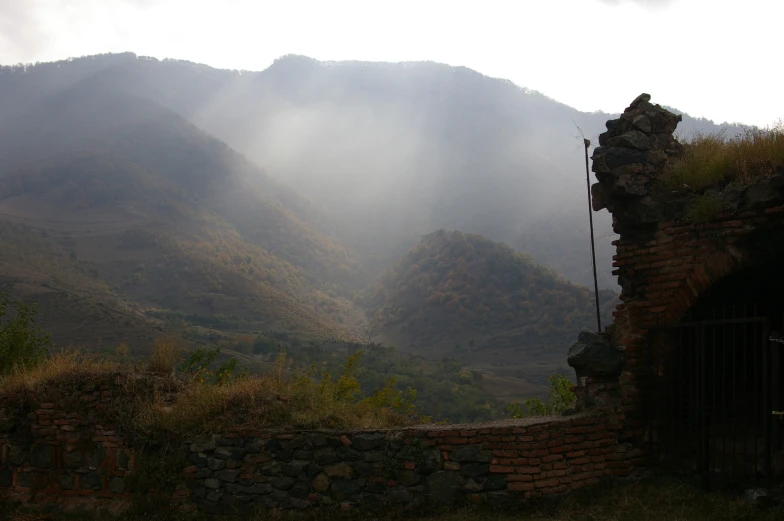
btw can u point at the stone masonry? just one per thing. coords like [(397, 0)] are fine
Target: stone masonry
[(63, 457)]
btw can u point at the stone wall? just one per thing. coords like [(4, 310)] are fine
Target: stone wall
[(62, 455), (664, 262)]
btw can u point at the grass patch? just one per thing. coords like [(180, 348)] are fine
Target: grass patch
[(703, 209), (713, 159), (57, 367)]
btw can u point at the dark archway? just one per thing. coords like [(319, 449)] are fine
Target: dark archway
[(715, 381)]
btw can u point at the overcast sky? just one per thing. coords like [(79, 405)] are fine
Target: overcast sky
[(719, 59)]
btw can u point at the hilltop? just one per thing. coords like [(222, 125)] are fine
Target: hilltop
[(463, 296)]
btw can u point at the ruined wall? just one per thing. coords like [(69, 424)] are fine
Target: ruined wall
[(664, 262), (63, 456)]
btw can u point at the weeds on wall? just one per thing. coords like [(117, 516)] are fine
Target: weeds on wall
[(713, 159)]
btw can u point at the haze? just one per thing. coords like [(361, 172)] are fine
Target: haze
[(701, 54)]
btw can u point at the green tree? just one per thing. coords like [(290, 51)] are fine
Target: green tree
[(561, 398), (22, 344)]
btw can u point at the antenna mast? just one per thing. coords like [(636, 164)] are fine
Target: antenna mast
[(587, 144)]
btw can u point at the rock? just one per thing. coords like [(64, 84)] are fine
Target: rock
[(320, 483), (216, 464), (96, 458), (363, 442), (343, 489), (228, 475), (206, 446), (299, 491), (469, 485), (363, 468), (273, 446), (64, 481), (123, 460), (399, 496), (117, 485), (474, 470), (407, 478), (641, 123), (443, 489), (374, 456), (73, 459), (642, 98), (431, 462), (304, 455), (339, 470), (212, 483), (325, 457), (284, 455), (296, 443), (317, 440), (593, 355), (348, 454), (494, 482), (293, 470), (762, 194), (282, 482), (92, 481), (214, 496), (599, 198), (632, 139), (470, 454)]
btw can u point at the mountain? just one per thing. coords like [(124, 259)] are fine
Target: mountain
[(391, 151), (463, 296), (128, 200)]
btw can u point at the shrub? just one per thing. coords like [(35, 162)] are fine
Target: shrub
[(561, 398), (165, 354), (22, 344)]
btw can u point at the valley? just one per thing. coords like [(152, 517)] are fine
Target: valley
[(314, 207)]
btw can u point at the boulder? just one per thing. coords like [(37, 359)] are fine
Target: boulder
[(594, 355)]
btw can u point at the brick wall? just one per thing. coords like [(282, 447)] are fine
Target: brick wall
[(61, 454), (665, 262)]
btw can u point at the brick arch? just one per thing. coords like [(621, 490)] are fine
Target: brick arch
[(703, 276)]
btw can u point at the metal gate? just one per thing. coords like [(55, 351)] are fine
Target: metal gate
[(713, 397)]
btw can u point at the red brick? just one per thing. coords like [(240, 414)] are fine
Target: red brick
[(506, 453), (519, 477), (501, 469), (517, 486)]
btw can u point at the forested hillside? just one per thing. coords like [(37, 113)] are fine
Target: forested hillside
[(156, 210), (462, 295)]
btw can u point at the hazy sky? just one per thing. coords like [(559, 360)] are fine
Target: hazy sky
[(719, 59)]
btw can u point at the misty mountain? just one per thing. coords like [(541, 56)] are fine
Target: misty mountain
[(150, 208), (391, 151)]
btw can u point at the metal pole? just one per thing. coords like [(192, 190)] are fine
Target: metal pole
[(593, 248)]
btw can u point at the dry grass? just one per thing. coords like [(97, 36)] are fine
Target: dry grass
[(273, 400), (165, 354), (58, 366), (712, 159), (171, 404)]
